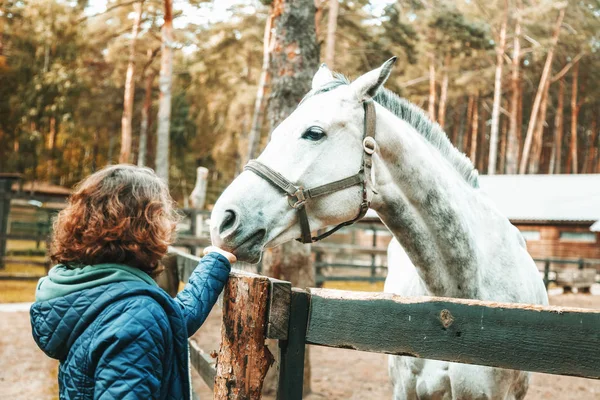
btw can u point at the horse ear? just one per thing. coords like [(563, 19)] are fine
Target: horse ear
[(322, 77), (367, 85)]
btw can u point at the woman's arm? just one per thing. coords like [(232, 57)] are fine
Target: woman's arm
[(202, 290)]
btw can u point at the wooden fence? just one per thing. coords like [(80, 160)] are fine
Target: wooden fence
[(554, 340), (357, 253)]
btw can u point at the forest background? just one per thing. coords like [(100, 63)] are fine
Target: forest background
[(174, 86)]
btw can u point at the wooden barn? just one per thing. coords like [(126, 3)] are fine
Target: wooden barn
[(555, 213)]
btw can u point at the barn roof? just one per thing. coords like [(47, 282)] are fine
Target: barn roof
[(545, 197)]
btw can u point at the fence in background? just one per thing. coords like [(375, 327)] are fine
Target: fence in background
[(356, 253)]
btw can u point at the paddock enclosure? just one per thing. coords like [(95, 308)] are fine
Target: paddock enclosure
[(357, 253), (547, 339)]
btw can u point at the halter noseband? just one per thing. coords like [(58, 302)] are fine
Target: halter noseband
[(300, 196)]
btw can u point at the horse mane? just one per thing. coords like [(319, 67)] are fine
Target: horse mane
[(417, 118)]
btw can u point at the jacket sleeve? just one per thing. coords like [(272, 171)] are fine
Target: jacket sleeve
[(202, 290), (130, 352)]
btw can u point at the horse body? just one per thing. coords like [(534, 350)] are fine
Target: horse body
[(415, 378), (454, 243)]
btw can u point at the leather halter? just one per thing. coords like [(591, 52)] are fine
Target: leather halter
[(299, 195)]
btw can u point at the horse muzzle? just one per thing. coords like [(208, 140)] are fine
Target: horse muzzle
[(237, 233)]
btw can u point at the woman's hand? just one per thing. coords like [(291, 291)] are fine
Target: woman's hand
[(232, 258)]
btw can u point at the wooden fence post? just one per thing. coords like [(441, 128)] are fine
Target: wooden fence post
[(546, 273), (292, 350), (374, 243), (6, 181), (244, 358), (198, 195)]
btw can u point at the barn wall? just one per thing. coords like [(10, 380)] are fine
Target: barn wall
[(550, 244)]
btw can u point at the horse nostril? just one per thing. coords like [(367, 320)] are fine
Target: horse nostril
[(228, 221)]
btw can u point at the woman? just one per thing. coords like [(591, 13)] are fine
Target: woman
[(116, 333)]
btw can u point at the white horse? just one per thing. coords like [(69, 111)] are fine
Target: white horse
[(454, 242)]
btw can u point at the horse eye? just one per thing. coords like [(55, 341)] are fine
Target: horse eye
[(314, 134)]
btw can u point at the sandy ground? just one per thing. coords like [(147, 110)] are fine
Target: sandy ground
[(26, 373)]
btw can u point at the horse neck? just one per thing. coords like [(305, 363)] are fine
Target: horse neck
[(424, 202)]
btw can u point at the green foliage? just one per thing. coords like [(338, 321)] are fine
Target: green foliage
[(455, 34), (62, 73)]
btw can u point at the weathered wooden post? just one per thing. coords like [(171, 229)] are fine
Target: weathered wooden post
[(198, 195), (197, 201), (291, 385), (6, 181), (244, 358), (547, 273), (374, 245)]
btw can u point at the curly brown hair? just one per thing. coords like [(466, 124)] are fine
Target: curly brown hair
[(120, 214)]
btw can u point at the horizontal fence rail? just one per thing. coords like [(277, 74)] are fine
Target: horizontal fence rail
[(203, 364), (554, 340)]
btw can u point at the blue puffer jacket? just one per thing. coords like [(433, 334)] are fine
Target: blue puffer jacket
[(126, 339)]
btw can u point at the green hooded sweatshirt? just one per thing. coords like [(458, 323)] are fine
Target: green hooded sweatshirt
[(63, 280)]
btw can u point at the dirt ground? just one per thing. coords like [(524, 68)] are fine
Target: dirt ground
[(26, 373)]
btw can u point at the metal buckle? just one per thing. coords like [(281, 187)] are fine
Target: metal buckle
[(369, 145), (300, 198)]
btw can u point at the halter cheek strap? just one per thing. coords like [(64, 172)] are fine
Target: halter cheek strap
[(298, 195)]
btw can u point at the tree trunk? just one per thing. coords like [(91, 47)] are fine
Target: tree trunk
[(260, 102), (143, 145), (111, 147), (597, 161), (556, 166), (432, 86), (2, 60), (164, 101), (444, 93), (125, 155), (462, 142), (2, 65), (2, 140), (456, 121), (466, 137), (538, 136), (319, 5), (574, 112), (503, 140), (520, 121), (294, 59), (590, 150), (95, 150), (513, 142), (482, 117), (50, 147), (334, 6), (597, 152), (497, 95), (474, 129), (538, 97)]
